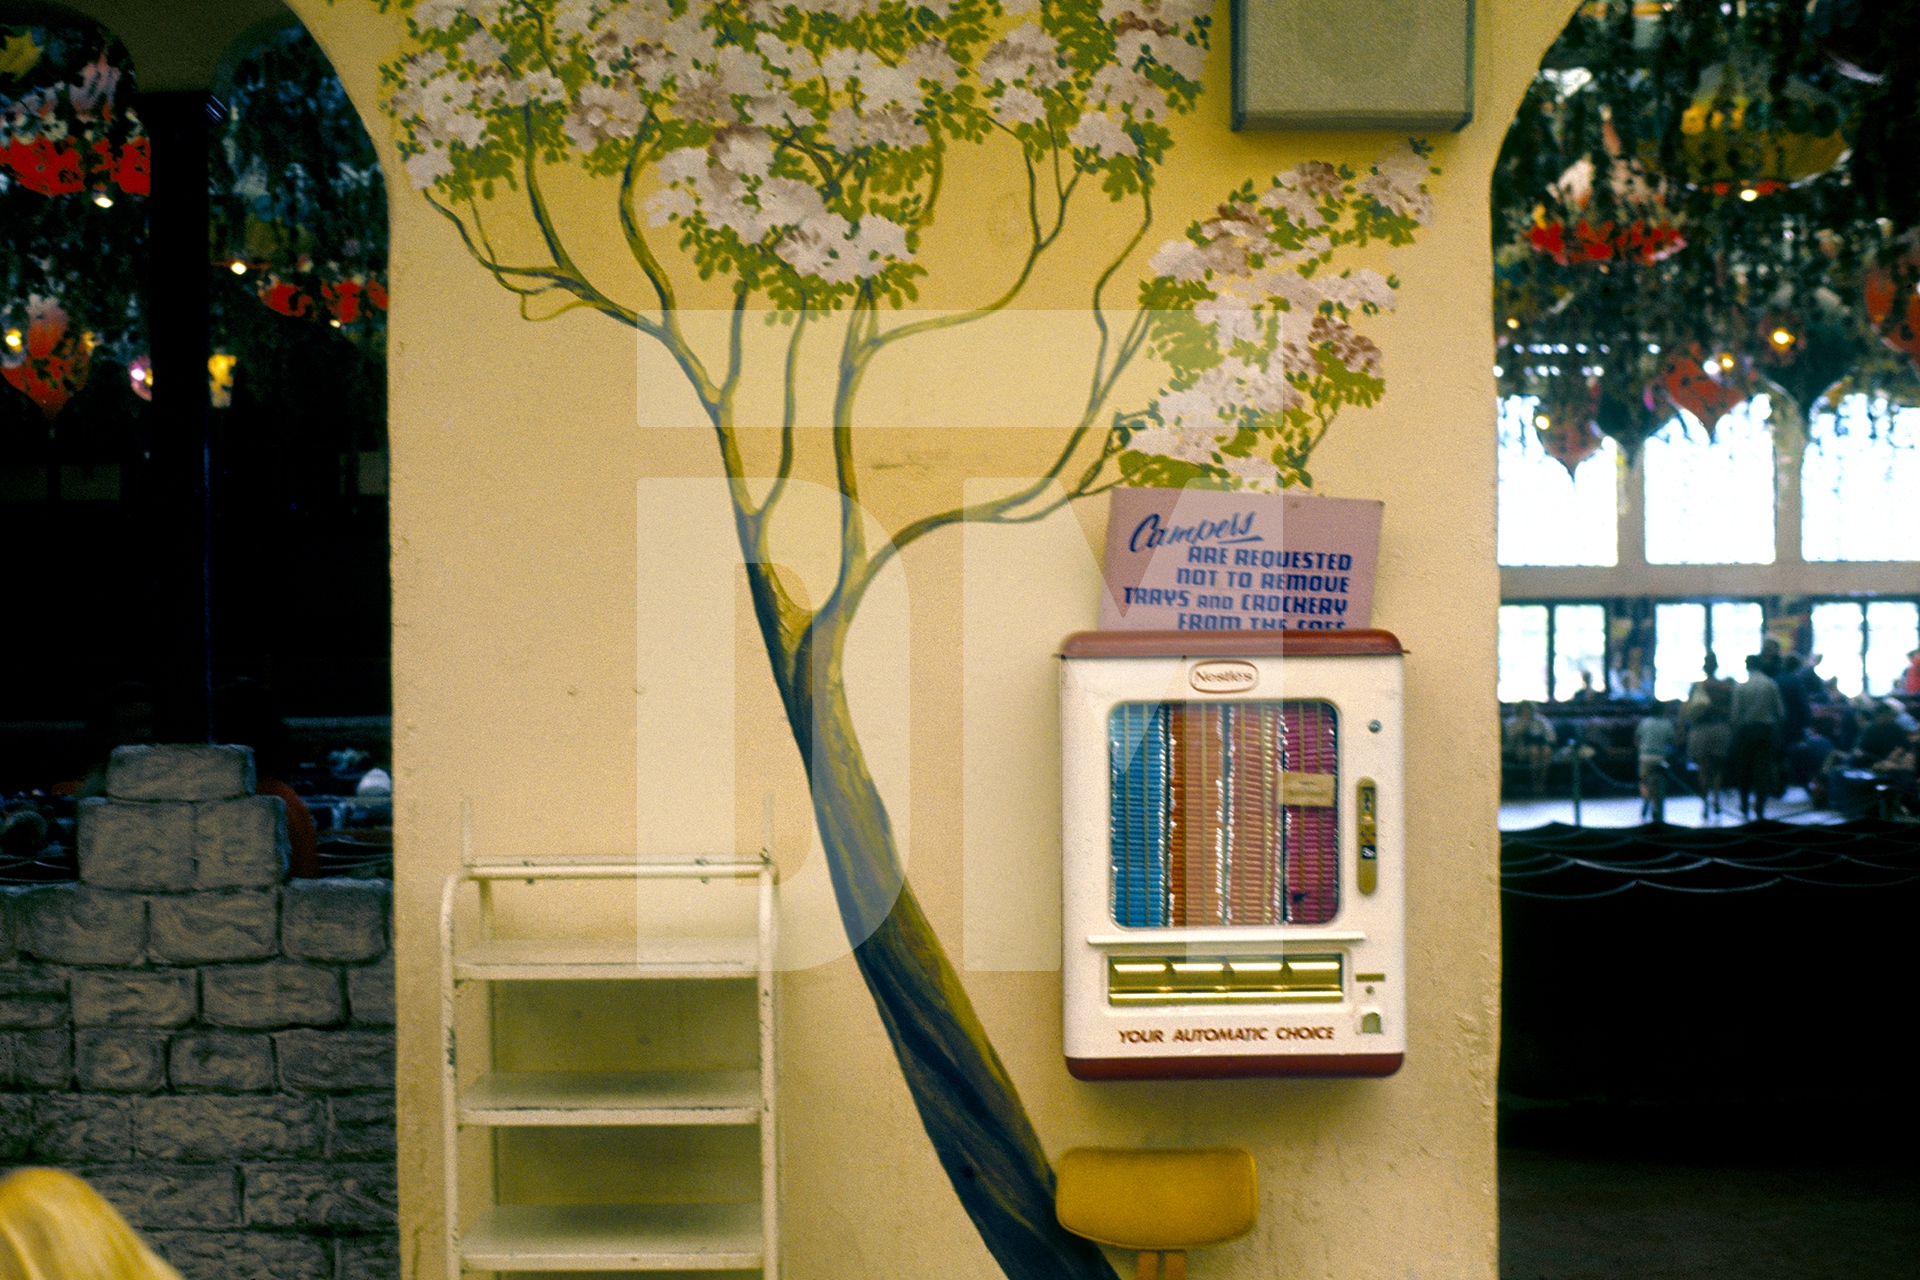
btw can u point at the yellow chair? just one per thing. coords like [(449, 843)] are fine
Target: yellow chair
[(1159, 1202)]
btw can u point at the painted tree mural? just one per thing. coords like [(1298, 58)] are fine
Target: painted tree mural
[(799, 152)]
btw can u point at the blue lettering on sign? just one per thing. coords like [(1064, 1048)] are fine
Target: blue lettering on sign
[(1149, 534)]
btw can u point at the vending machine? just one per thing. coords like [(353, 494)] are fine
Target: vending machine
[(1233, 870)]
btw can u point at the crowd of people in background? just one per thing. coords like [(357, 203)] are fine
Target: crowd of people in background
[(1779, 725), (1759, 735)]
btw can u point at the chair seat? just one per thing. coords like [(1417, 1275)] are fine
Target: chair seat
[(1157, 1200)]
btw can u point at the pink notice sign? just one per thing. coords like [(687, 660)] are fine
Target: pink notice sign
[(1204, 560)]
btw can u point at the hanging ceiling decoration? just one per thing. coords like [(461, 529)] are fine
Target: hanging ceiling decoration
[(73, 169), (1700, 202)]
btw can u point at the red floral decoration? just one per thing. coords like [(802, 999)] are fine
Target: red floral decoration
[(48, 364), (1897, 322), (343, 302), (70, 138), (1563, 232)]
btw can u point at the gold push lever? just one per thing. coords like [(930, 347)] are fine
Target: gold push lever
[(1368, 811)]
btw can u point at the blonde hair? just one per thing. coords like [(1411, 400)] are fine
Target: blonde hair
[(53, 1226)]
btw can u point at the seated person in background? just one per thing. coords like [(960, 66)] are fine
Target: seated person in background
[(1880, 738), (1910, 682), (1528, 739), (53, 1226), (1846, 722), (244, 713), (1586, 692), (1898, 764), (1807, 761), (1628, 680)]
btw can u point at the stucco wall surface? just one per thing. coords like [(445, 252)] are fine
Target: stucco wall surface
[(533, 649)]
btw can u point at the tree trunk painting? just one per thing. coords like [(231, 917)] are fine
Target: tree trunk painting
[(798, 153)]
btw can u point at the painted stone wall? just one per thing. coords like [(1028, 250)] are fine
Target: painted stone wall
[(212, 1049)]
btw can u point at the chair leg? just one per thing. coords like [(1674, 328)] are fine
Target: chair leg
[(1176, 1264), (1149, 1266)]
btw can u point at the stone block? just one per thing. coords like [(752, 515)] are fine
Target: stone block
[(370, 992), (240, 844), (221, 1062), (275, 993), (84, 924), (74, 1129), (338, 919), (43, 1059), (198, 928), (363, 1128), (171, 1196), (209, 1129), (322, 1195), (16, 1128), (368, 1258), (187, 771), (125, 845), (114, 1061), (31, 997), (335, 1061), (134, 997), (243, 1255)]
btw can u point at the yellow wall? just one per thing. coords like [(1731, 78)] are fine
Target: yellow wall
[(517, 687)]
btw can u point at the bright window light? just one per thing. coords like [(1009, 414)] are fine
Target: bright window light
[(1579, 644), (1547, 517), (1837, 638), (1738, 631), (1711, 502), (1679, 649), (1893, 630), (1523, 653), (1857, 484)]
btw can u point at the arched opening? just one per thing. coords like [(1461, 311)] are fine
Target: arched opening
[(192, 479), (282, 569), (1705, 245)]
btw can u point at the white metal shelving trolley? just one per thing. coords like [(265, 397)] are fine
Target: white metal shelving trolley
[(618, 1237)]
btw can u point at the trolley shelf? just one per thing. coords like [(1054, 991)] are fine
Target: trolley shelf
[(673, 1237), (505, 1099), (572, 959)]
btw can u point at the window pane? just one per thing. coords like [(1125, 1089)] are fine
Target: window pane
[(1547, 517), (1579, 644), (1523, 653), (1738, 630), (1861, 469), (1711, 502), (1679, 648), (1836, 637), (1893, 628)]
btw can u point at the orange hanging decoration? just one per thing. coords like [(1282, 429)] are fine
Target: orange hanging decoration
[(1904, 336), (49, 364), (1570, 435), (1691, 386), (1878, 291)]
